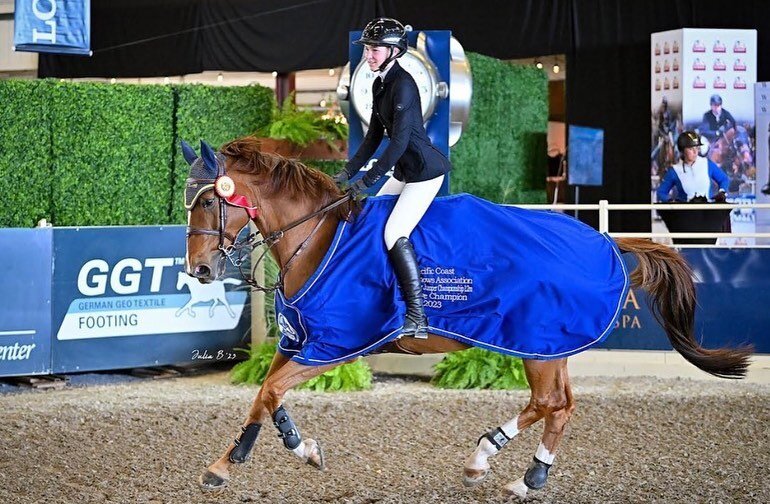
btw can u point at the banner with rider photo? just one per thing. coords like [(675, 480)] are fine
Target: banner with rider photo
[(666, 102), (762, 115), (712, 72)]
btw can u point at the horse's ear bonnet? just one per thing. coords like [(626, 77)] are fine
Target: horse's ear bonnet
[(203, 171)]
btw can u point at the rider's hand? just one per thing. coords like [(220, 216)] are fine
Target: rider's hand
[(720, 197), (356, 190), (341, 178)]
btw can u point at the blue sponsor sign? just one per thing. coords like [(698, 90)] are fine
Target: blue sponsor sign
[(733, 289), (585, 154), (25, 309), (53, 26), (122, 299)]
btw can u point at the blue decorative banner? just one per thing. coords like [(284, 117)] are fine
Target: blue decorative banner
[(25, 311), (53, 26), (733, 292)]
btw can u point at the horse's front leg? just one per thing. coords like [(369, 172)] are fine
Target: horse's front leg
[(217, 474), (282, 376)]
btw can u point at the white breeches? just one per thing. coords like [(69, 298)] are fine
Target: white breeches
[(413, 201)]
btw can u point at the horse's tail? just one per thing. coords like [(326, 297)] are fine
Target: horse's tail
[(667, 277)]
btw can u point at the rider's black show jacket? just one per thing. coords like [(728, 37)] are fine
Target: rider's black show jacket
[(397, 111)]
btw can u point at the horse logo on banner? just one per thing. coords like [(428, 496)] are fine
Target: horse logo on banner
[(213, 293)]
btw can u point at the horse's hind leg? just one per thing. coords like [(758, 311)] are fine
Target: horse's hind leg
[(282, 376), (558, 415), (227, 307), (543, 377)]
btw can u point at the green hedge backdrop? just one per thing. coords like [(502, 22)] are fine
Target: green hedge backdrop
[(94, 154), (25, 153), (87, 154), (112, 165), (501, 155), (217, 115)]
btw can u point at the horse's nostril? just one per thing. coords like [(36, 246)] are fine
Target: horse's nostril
[(202, 271)]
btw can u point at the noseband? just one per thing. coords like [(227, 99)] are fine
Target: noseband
[(224, 188)]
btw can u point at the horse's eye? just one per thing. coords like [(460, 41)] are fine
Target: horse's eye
[(206, 203)]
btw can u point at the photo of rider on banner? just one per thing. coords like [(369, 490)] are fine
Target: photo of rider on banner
[(714, 106)]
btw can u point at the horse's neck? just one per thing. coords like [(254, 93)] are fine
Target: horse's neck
[(302, 265)]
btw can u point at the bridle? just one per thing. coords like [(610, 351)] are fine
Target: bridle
[(238, 250)]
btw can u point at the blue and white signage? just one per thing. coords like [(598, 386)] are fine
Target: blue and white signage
[(732, 287), (25, 312), (53, 26), (585, 153), (122, 299)]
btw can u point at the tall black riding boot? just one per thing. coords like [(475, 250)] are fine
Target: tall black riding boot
[(404, 262)]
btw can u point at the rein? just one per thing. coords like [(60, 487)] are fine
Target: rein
[(224, 189), (249, 243)]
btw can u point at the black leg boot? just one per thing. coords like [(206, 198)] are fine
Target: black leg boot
[(404, 262)]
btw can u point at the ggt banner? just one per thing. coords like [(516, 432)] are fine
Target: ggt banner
[(122, 299)]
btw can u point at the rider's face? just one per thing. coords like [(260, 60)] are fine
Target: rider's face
[(375, 56), (690, 154), (715, 108)]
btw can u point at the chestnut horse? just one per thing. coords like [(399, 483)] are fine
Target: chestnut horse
[(228, 189)]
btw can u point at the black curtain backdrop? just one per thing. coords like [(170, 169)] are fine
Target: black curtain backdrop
[(608, 84), (606, 43)]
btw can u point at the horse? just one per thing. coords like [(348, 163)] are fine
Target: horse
[(204, 293), (297, 209)]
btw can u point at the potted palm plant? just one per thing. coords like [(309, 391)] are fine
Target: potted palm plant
[(304, 134)]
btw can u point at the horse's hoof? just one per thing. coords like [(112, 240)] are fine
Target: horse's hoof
[(210, 482), (537, 474), (516, 489), (316, 457), (472, 477)]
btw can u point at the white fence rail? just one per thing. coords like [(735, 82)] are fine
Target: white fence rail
[(604, 208)]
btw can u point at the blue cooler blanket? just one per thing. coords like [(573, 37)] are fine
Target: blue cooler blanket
[(534, 284)]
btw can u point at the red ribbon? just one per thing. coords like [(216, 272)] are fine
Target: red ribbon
[(241, 202)]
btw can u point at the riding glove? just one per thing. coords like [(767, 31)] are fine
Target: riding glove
[(356, 190), (720, 197), (341, 178)]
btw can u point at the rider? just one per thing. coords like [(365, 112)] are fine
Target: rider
[(666, 127), (693, 174), (717, 121), (419, 167)]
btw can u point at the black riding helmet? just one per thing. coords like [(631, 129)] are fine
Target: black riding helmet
[(688, 139), (385, 32)]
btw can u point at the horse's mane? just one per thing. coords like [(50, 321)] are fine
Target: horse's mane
[(287, 177)]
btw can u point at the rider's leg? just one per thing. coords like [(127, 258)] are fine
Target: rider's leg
[(391, 186), (412, 204)]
